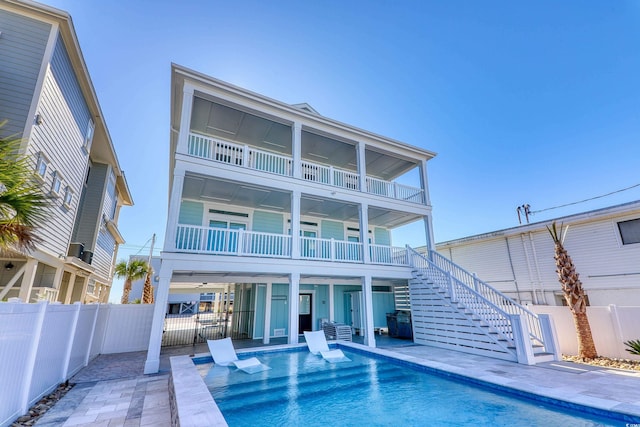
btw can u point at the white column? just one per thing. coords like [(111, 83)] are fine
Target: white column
[(85, 286), (28, 277), (267, 314), (152, 365), (332, 315), (364, 232), (70, 286), (424, 182), (294, 295), (428, 230), (295, 224), (185, 119), (362, 166), (367, 296), (296, 149), (175, 199)]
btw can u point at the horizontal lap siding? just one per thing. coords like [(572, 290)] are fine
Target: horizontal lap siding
[(191, 213), (103, 254), (268, 222), (22, 48), (332, 230)]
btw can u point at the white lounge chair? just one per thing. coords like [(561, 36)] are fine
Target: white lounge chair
[(224, 354), (317, 343)]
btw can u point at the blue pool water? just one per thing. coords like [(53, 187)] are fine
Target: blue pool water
[(304, 390)]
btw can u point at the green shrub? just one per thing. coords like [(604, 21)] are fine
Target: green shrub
[(634, 347)]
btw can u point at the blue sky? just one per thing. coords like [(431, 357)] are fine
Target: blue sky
[(524, 102)]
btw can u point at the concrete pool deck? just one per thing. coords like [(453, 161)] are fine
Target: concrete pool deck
[(112, 390)]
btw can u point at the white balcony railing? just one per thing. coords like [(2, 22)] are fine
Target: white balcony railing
[(389, 255), (222, 241), (330, 249), (394, 190), (239, 155), (330, 175), (247, 157)]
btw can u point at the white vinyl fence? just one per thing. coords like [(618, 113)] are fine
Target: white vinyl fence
[(43, 345), (611, 327)]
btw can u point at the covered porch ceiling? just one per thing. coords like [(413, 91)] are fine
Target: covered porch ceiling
[(233, 193), (209, 281), (213, 117)]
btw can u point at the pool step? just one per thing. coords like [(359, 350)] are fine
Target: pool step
[(305, 389)]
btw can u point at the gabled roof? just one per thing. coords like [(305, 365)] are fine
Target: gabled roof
[(306, 107)]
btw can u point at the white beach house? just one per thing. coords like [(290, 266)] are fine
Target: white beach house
[(47, 98), (291, 213)]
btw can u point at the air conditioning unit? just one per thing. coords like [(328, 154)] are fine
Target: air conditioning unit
[(75, 250), (87, 256)]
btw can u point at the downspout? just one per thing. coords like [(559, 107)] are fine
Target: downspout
[(535, 260), (526, 256), (513, 271)]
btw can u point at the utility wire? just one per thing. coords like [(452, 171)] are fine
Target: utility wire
[(585, 200)]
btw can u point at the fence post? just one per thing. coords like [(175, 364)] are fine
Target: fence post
[(93, 332), (245, 157), (31, 357), (520, 330), (72, 336), (452, 290), (332, 249), (617, 331), (240, 242), (549, 335)]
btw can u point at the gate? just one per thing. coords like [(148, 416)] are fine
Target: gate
[(191, 329)]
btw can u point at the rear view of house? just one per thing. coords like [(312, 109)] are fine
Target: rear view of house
[(47, 98), (280, 220)]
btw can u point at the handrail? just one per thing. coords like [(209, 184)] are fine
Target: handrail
[(382, 254), (471, 299), (497, 297)]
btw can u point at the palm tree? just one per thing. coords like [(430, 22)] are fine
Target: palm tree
[(133, 270), (573, 294), (147, 290), (22, 202)]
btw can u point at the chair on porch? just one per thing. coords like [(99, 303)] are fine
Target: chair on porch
[(224, 354), (317, 343)]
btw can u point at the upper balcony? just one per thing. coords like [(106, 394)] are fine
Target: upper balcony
[(224, 133), (246, 156)]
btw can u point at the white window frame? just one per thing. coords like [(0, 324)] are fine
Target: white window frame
[(42, 165), (56, 184), (88, 136), (68, 197)]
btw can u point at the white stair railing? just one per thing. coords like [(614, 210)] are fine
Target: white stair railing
[(488, 292)]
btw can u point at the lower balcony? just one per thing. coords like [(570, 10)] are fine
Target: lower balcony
[(205, 240)]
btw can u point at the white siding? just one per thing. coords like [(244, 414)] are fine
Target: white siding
[(60, 137), (610, 271), (22, 49)]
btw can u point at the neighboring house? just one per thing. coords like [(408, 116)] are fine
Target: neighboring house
[(292, 213), (138, 285), (47, 97), (604, 245)]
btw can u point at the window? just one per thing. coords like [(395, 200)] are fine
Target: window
[(629, 231), (57, 184), (41, 166), (88, 137), (68, 196)]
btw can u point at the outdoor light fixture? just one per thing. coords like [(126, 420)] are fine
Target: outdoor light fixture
[(38, 119), (8, 266)]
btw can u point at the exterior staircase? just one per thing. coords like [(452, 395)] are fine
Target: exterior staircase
[(453, 309)]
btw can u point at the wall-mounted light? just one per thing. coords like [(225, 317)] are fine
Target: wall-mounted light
[(9, 266), (38, 119)]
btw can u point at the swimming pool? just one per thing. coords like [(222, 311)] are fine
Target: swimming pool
[(303, 389)]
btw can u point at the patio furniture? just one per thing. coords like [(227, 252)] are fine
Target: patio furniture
[(317, 343), (224, 354), (337, 331)]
